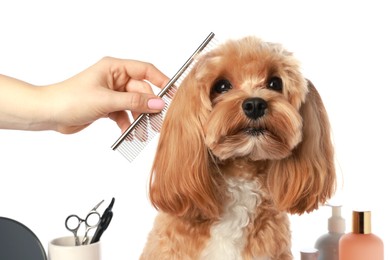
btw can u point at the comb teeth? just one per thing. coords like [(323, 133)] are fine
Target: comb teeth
[(147, 126), (144, 131)]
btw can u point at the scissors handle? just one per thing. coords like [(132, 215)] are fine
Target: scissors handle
[(104, 222), (92, 220), (74, 228)]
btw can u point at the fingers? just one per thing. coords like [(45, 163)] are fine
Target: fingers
[(134, 69), (146, 71), (139, 86), (134, 101), (121, 118), (153, 103), (135, 94), (139, 96)]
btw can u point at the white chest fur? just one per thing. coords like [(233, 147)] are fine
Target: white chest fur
[(228, 235)]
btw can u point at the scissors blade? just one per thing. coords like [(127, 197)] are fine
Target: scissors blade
[(85, 240), (97, 206)]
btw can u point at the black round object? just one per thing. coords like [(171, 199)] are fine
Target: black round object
[(18, 242)]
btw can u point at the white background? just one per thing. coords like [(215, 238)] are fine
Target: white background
[(45, 176)]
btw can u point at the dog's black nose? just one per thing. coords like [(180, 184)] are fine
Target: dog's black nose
[(254, 107)]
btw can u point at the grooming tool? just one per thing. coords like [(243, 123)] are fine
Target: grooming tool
[(104, 222), (147, 126), (92, 220)]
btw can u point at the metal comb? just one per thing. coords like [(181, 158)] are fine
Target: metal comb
[(147, 126)]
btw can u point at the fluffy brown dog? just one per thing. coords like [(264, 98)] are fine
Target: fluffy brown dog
[(245, 141)]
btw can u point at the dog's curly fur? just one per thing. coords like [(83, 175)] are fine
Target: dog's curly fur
[(245, 141)]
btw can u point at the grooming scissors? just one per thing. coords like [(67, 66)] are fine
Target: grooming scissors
[(92, 220)]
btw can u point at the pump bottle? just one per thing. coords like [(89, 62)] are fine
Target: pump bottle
[(328, 244), (361, 244)]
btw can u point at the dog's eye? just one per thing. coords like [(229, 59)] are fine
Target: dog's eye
[(221, 86), (275, 83)]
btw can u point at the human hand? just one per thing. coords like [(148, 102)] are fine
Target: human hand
[(108, 88)]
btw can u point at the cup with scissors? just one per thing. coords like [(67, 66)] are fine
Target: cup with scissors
[(92, 220)]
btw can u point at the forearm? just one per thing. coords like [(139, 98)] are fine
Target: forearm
[(22, 105), (108, 88)]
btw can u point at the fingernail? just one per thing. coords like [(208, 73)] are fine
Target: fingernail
[(156, 103)]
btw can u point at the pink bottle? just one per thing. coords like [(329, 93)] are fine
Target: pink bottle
[(361, 244)]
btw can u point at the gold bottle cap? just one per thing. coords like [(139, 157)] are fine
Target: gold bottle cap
[(361, 222)]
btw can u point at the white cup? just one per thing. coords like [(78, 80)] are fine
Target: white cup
[(64, 248)]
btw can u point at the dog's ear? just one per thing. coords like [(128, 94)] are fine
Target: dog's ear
[(181, 183), (307, 178)]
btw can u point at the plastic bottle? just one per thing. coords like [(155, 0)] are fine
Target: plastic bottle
[(328, 244), (309, 254), (361, 244)]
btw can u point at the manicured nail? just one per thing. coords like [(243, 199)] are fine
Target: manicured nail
[(156, 103)]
